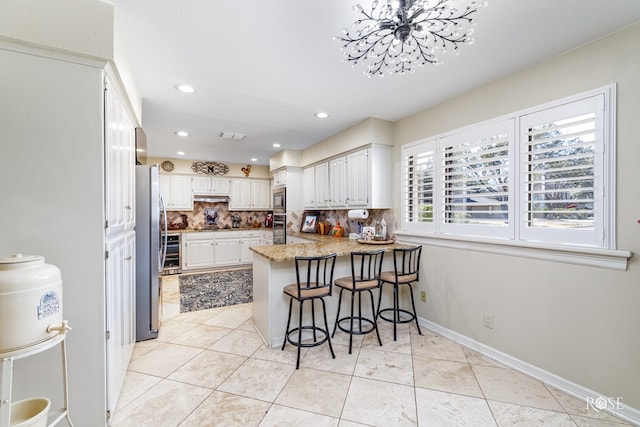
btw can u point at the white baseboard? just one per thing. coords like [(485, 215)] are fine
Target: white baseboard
[(621, 410)]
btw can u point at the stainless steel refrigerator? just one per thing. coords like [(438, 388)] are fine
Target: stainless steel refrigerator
[(149, 251)]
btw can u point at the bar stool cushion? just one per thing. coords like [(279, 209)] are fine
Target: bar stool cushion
[(347, 283), (390, 276), (312, 292)]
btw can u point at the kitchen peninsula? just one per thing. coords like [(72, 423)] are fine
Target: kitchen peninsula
[(274, 268)]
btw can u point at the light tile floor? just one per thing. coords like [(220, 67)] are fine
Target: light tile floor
[(210, 368)]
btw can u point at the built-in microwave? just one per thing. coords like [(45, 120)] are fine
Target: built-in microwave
[(280, 200)]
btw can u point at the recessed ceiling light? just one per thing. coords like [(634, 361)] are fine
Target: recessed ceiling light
[(180, 153), (322, 115), (276, 145), (184, 88), (253, 159), (181, 133)]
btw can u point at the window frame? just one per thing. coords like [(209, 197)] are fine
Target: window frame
[(515, 237)]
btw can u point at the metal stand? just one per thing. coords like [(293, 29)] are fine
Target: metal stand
[(6, 377)]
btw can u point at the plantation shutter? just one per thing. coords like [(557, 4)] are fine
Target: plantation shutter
[(476, 175), (418, 185), (561, 173)]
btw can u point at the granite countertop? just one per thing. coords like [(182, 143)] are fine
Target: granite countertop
[(321, 245)]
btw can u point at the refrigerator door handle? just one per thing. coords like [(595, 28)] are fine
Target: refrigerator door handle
[(163, 251)]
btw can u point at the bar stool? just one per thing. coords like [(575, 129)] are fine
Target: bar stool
[(365, 274), (406, 264), (314, 279)]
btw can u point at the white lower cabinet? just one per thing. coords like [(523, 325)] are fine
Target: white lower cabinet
[(218, 249), (197, 250), (248, 239), (266, 237), (120, 308), (227, 250)]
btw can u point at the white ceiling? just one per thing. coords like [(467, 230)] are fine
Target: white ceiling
[(263, 68)]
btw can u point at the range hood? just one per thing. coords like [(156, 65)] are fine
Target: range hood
[(210, 199)]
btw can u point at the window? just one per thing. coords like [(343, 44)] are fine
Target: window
[(562, 173), (476, 183), (418, 185), (533, 176)]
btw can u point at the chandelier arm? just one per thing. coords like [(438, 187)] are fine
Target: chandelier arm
[(351, 42)]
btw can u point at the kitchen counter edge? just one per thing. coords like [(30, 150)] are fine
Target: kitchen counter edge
[(320, 246)]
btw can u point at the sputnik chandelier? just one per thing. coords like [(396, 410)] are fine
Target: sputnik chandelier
[(397, 36)]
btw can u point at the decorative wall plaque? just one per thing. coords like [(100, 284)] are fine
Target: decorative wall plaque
[(210, 168)]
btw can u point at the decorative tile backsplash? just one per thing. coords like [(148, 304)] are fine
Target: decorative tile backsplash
[(196, 219), (295, 218)]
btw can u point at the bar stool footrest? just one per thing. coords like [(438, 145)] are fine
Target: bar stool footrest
[(369, 322), (411, 317), (308, 344)]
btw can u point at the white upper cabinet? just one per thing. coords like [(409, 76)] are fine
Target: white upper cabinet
[(321, 186), (360, 179), (357, 180), (250, 194), (338, 183), (280, 178), (119, 165), (176, 191), (210, 185), (308, 188)]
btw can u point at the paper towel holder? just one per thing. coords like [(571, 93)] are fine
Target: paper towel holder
[(358, 214)]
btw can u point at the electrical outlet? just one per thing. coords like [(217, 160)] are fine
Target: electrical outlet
[(488, 320), (423, 296)]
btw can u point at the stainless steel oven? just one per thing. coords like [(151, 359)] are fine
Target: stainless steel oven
[(280, 200), (279, 228), (172, 259)]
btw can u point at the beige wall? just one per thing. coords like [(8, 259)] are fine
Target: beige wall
[(369, 131), (235, 170), (580, 323)]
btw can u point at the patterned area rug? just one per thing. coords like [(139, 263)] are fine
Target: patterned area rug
[(215, 289)]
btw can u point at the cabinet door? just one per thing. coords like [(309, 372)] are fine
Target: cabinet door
[(308, 187), (197, 253), (201, 185), (260, 194), (181, 193), (240, 194), (280, 179), (266, 237), (220, 186), (337, 182), (176, 191), (322, 185), (227, 251), (119, 155), (246, 255), (358, 179), (120, 309)]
